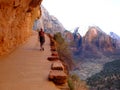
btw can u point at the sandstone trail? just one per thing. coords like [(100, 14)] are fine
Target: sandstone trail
[(27, 67)]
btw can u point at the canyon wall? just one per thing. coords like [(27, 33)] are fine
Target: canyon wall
[(16, 19), (49, 23)]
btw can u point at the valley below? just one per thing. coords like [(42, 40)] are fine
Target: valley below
[(99, 73), (88, 67)]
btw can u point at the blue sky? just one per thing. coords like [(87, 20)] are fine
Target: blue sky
[(84, 13)]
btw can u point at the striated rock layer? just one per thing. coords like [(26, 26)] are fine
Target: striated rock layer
[(16, 18)]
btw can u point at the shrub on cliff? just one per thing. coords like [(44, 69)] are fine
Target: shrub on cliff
[(75, 83), (63, 50)]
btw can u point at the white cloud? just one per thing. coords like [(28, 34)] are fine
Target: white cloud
[(73, 13)]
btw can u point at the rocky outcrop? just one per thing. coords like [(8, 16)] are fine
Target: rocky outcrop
[(16, 19), (50, 23), (97, 48), (94, 44), (75, 39), (95, 38)]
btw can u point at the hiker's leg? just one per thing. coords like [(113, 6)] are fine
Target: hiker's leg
[(41, 46)]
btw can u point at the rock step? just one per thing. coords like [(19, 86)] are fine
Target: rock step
[(57, 65), (54, 53), (53, 48), (53, 58), (58, 77), (57, 74), (52, 42)]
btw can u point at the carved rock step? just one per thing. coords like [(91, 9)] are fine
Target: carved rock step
[(52, 42), (54, 53), (57, 65), (53, 58), (58, 77), (53, 48)]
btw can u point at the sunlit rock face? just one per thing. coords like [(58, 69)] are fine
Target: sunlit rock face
[(50, 23), (96, 38), (16, 18), (95, 43)]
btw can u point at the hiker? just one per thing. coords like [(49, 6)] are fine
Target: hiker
[(41, 38)]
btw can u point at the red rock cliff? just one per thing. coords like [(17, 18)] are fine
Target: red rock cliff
[(16, 19)]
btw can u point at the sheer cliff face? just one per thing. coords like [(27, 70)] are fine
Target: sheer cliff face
[(16, 18), (50, 23)]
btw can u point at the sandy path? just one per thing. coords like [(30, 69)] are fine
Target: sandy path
[(26, 68)]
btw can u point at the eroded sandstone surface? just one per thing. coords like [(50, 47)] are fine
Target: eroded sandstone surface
[(16, 19)]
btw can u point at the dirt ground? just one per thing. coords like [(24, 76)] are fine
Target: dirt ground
[(27, 68)]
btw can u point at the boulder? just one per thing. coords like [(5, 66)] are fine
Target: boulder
[(58, 77), (57, 65)]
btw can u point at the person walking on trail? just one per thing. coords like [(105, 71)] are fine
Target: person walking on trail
[(42, 39)]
